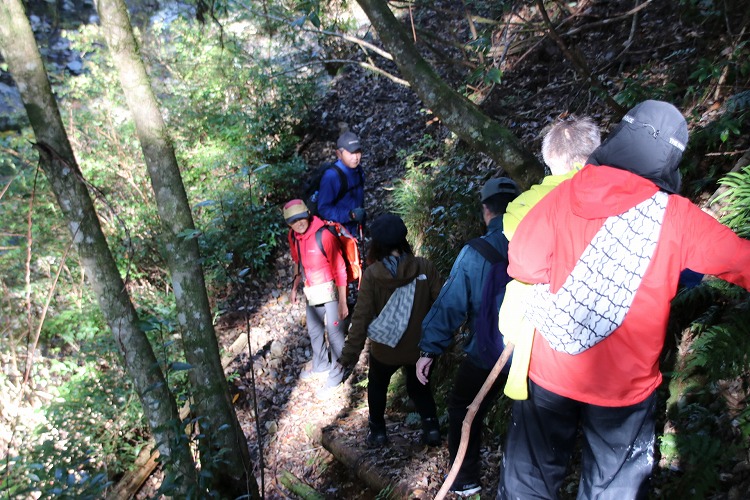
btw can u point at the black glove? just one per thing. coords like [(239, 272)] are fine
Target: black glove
[(358, 215)]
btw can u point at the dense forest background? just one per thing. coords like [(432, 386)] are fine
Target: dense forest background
[(253, 95)]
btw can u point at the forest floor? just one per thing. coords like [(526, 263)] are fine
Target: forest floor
[(538, 85)]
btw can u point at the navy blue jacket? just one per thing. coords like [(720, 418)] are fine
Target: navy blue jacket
[(353, 198), (461, 297)]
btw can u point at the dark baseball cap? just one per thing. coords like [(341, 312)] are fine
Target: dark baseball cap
[(348, 141), (498, 186)]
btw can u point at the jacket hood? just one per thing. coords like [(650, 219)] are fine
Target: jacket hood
[(597, 192), (407, 270), (649, 141)]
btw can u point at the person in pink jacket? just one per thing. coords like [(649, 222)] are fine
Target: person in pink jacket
[(605, 250), (318, 259)]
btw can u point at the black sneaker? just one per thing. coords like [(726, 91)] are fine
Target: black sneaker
[(466, 489)]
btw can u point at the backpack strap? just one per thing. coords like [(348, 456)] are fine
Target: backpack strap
[(343, 183), (490, 253), (319, 238)]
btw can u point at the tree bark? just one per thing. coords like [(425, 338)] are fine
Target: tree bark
[(59, 164), (458, 113), (211, 394)]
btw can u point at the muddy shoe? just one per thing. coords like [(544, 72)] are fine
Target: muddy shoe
[(431, 432)]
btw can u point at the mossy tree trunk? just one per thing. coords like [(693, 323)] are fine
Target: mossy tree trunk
[(212, 401), (457, 112), (59, 164)]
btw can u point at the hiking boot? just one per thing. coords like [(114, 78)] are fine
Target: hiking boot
[(466, 489), (376, 435), (431, 432)]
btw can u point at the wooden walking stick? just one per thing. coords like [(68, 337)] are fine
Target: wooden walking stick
[(469, 418)]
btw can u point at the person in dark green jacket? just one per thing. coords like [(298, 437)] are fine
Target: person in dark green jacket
[(393, 269)]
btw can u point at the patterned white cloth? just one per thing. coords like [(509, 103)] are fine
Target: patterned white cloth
[(389, 326), (599, 291)]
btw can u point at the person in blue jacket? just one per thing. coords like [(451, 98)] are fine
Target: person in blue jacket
[(344, 201), (460, 301)]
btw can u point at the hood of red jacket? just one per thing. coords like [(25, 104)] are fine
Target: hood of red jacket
[(602, 191)]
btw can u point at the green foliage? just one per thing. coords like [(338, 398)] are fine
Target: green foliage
[(91, 431), (450, 192), (723, 350), (242, 229), (707, 426), (722, 132), (386, 493), (738, 196), (642, 87)]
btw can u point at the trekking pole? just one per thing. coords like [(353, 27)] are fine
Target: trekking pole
[(469, 418), (361, 244)]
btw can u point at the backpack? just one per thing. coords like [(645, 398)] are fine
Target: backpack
[(489, 340), (312, 187), (349, 248), (348, 244)]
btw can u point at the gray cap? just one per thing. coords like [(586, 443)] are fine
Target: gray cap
[(649, 141), (348, 141), (499, 186)]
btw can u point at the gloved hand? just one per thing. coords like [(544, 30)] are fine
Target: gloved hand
[(358, 215)]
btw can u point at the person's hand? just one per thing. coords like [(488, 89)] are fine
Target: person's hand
[(423, 369), (295, 286), (343, 309), (358, 215)]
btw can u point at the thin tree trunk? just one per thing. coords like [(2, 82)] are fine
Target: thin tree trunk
[(211, 394), (59, 164), (458, 113)]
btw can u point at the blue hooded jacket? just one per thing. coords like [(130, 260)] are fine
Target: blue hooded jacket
[(461, 297)]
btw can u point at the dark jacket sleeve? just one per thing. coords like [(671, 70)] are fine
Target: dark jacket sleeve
[(450, 309), (364, 313)]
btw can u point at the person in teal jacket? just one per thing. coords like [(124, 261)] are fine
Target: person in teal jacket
[(460, 301)]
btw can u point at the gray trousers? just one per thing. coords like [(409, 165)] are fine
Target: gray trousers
[(326, 349)]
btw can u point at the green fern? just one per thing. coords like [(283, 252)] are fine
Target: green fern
[(738, 196), (723, 350)]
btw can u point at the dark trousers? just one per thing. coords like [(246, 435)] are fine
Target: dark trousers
[(324, 319), (617, 452), (379, 376), (469, 380)]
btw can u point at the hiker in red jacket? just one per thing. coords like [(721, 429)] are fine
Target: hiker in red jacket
[(605, 250), (324, 287)]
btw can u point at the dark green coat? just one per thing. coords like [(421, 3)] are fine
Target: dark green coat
[(377, 287)]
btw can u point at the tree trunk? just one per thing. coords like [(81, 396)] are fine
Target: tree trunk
[(59, 164), (458, 113), (233, 477)]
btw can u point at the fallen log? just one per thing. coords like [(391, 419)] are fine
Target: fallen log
[(298, 487), (367, 467)]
